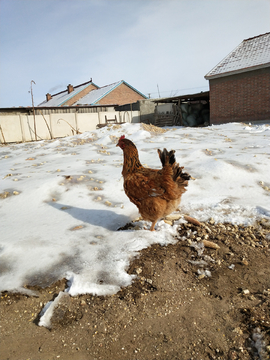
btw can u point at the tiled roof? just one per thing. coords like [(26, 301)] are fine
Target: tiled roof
[(63, 96), (94, 96), (251, 54)]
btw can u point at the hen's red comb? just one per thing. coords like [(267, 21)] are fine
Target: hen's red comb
[(122, 137)]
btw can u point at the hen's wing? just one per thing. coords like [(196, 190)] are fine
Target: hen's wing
[(144, 184)]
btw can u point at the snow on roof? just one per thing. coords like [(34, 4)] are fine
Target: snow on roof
[(63, 96), (251, 54)]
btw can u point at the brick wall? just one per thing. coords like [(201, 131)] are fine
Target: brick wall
[(80, 95), (120, 96), (241, 97)]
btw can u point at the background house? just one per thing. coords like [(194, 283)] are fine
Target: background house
[(88, 93), (240, 83)]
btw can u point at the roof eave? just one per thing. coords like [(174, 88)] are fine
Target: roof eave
[(134, 89), (235, 72), (203, 95), (95, 105)]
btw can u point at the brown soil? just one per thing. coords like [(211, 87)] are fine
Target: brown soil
[(169, 312)]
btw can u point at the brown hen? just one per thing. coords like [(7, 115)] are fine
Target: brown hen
[(156, 193)]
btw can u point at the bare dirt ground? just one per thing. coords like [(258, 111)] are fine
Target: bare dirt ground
[(171, 311)]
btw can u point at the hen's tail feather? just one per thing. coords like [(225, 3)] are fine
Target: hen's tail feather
[(178, 173), (168, 158)]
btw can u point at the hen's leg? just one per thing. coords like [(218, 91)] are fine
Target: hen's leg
[(152, 228)]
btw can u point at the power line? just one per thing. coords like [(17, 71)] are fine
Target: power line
[(175, 92)]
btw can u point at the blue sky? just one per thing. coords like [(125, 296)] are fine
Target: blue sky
[(169, 44)]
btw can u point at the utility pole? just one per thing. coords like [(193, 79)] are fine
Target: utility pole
[(32, 82), (158, 91)]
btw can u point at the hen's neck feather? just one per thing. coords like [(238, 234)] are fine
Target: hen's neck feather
[(131, 160)]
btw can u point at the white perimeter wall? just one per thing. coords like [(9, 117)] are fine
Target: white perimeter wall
[(21, 127)]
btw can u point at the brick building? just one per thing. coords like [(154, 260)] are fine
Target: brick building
[(88, 93), (240, 83)]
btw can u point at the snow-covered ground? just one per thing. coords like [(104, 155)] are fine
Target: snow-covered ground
[(67, 201)]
